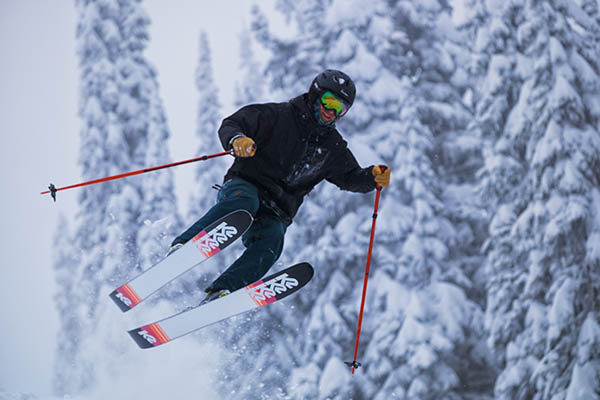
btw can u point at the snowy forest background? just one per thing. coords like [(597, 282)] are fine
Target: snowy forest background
[(485, 279)]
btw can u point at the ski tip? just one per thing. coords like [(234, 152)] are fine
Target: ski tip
[(280, 284), (240, 217), (241, 211), (303, 269)]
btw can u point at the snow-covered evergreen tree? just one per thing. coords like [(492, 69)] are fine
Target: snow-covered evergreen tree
[(207, 173), (539, 112), (66, 261), (124, 129), (250, 87), (159, 219), (208, 120)]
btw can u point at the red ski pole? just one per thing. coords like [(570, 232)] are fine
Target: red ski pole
[(354, 363), (52, 189)]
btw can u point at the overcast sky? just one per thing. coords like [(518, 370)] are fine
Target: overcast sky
[(39, 127)]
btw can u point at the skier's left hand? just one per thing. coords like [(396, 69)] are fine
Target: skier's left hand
[(382, 175)]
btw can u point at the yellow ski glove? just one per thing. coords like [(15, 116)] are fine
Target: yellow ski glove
[(244, 146), (382, 175)]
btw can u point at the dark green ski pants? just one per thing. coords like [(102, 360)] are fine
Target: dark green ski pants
[(263, 240)]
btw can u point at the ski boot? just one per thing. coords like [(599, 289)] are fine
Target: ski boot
[(214, 295), (173, 249)]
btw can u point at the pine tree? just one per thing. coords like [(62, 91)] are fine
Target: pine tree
[(66, 260), (159, 220), (538, 111), (251, 88), (207, 122), (124, 128), (187, 292)]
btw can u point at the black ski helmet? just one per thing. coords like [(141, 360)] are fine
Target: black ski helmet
[(335, 81)]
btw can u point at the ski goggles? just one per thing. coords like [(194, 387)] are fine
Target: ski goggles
[(331, 102)]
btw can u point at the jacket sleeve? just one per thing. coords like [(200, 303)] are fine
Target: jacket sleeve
[(350, 176), (253, 121)]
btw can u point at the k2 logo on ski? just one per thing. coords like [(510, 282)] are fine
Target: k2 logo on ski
[(148, 337), (209, 243), (124, 299), (266, 292)]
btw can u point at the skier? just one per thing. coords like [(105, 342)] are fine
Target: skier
[(282, 151)]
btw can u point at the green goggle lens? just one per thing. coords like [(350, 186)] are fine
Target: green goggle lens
[(331, 102)]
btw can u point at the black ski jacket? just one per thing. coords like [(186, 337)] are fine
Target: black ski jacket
[(294, 153)]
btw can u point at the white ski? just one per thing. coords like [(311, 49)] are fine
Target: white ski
[(265, 291)]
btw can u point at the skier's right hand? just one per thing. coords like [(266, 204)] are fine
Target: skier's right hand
[(244, 146)]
